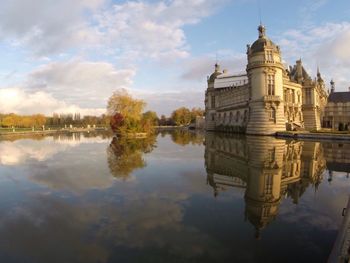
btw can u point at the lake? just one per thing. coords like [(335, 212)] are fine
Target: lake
[(175, 197)]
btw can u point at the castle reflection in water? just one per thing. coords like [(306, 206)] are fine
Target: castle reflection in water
[(270, 169)]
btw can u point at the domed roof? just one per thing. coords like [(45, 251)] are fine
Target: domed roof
[(215, 74), (263, 42)]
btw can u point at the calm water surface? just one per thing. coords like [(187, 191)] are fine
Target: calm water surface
[(174, 197)]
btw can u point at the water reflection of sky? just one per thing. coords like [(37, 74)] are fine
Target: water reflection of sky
[(61, 201)]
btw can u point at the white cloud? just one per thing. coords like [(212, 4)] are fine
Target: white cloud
[(325, 46), (200, 67), (152, 29), (73, 86), (133, 29), (17, 100), (83, 83), (47, 26), (129, 32)]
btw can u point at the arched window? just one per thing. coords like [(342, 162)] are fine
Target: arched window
[(237, 116)]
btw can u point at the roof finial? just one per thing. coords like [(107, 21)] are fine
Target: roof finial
[(261, 30), (217, 66)]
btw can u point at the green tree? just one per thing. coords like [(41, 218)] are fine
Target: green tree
[(196, 112), (8, 121), (39, 120), (181, 116), (162, 120), (151, 116), (123, 103)]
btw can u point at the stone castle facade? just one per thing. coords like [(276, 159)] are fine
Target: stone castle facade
[(268, 98), (337, 110)]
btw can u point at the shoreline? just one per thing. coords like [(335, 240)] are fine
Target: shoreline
[(9, 133), (284, 134)]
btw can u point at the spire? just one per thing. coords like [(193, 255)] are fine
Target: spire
[(332, 86), (259, 7), (261, 30), (319, 78)]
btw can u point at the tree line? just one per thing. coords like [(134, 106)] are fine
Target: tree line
[(22, 121), (57, 120), (124, 114)]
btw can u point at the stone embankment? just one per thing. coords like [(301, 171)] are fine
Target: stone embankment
[(314, 136)]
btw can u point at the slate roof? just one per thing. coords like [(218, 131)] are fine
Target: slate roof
[(338, 167), (260, 44), (294, 74), (339, 97)]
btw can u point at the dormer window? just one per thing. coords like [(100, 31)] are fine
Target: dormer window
[(269, 55)]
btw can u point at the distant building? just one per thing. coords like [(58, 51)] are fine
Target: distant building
[(337, 110), (267, 98)]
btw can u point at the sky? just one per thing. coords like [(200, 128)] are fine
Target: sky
[(68, 56)]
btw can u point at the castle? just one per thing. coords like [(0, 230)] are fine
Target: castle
[(268, 98)]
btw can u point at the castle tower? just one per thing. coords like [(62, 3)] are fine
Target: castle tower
[(265, 73), (210, 103), (264, 182)]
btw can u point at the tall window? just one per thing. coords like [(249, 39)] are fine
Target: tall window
[(308, 96), (269, 55), (268, 184), (270, 84), (212, 101)]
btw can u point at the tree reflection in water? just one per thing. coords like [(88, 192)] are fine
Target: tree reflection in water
[(184, 137), (125, 155)]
